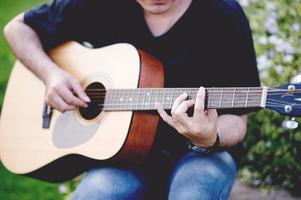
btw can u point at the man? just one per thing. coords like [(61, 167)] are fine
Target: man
[(200, 42)]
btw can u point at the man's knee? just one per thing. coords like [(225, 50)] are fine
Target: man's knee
[(202, 177), (110, 183)]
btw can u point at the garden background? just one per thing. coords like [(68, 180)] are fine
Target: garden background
[(272, 153)]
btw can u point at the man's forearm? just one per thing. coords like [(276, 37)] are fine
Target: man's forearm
[(28, 48), (232, 129)]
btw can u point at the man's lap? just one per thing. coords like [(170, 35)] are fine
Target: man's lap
[(192, 177)]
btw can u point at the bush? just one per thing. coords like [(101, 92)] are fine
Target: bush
[(273, 154)]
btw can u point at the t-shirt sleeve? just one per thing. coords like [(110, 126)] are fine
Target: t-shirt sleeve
[(242, 55), (56, 22)]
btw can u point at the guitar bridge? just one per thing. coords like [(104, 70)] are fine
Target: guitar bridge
[(47, 113)]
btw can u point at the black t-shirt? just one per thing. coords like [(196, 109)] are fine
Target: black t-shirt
[(210, 45)]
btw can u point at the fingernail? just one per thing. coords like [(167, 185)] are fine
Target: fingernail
[(87, 99)]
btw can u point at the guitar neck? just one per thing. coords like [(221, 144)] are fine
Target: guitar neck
[(145, 98)]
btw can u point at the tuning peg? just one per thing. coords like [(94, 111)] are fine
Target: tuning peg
[(290, 124)]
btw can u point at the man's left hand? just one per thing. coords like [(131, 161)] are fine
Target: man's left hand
[(201, 128)]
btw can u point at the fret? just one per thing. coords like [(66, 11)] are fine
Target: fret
[(157, 96), (128, 103), (143, 100), (153, 98), (247, 98), (113, 99), (135, 100), (209, 97), (189, 94), (149, 98), (163, 102), (122, 99), (194, 93), (172, 94), (221, 97), (168, 98), (233, 97), (122, 105), (118, 101)]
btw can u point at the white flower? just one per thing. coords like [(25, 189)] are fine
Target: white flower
[(284, 47), (281, 45), (288, 58), (263, 74), (263, 62), (271, 25), (295, 27), (271, 6), (270, 54), (244, 3), (279, 69), (63, 188), (262, 40), (274, 39), (273, 15)]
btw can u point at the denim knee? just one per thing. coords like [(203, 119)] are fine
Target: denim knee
[(110, 184), (203, 177)]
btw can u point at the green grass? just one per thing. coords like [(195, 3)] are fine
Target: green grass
[(14, 186)]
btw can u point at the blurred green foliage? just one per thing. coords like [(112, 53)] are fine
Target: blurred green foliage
[(273, 154)]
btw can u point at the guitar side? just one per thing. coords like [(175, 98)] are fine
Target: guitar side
[(72, 144)]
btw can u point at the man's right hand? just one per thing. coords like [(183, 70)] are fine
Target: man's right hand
[(64, 92)]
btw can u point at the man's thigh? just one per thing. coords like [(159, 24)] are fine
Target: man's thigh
[(202, 177), (111, 183)]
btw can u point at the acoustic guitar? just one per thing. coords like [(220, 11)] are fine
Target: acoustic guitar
[(118, 126)]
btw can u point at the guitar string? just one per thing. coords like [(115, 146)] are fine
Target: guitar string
[(153, 103), (210, 93), (207, 90), (278, 103)]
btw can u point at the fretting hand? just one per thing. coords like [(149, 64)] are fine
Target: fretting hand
[(201, 128)]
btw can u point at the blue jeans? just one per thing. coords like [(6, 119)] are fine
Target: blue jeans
[(193, 177)]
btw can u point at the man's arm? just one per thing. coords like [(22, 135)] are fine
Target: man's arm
[(232, 129), (60, 86)]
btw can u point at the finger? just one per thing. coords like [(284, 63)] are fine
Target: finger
[(75, 86), (181, 112), (199, 106), (59, 103), (168, 119), (70, 99), (212, 114), (178, 101)]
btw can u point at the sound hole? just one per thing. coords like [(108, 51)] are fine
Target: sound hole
[(96, 92)]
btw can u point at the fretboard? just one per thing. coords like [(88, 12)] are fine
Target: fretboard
[(218, 98)]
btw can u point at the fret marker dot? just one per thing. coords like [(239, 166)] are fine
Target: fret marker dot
[(121, 99), (168, 98), (146, 104), (130, 99), (148, 94)]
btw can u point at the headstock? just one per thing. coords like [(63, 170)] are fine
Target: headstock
[(285, 99)]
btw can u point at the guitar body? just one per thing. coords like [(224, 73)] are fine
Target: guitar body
[(74, 143)]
